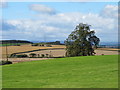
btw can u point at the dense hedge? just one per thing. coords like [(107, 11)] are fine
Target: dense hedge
[(18, 56), (21, 56)]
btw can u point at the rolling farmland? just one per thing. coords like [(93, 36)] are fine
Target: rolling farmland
[(24, 48), (58, 51)]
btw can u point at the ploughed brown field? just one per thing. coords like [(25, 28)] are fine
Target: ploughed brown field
[(58, 51)]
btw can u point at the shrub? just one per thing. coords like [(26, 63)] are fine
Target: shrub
[(5, 62), (38, 55), (47, 55), (36, 44), (42, 45), (32, 55), (42, 55), (18, 45)]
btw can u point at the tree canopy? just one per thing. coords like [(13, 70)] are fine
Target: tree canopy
[(82, 41)]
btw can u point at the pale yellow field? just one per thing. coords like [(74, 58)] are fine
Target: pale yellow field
[(110, 49), (24, 48), (58, 52)]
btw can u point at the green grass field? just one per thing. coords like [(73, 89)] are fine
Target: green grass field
[(12, 44), (74, 72)]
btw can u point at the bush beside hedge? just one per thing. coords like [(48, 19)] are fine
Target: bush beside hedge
[(5, 62)]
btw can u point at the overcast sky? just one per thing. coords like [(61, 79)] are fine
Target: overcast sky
[(36, 21)]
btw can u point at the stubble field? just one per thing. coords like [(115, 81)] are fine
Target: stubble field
[(25, 48), (58, 51)]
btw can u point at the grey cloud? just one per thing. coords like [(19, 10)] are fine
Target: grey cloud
[(3, 4), (6, 26), (42, 9), (110, 11)]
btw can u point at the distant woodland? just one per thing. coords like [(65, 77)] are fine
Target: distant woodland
[(13, 41)]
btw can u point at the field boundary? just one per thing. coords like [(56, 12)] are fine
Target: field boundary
[(38, 50)]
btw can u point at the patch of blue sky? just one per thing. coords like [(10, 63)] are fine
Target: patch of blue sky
[(83, 7), (21, 10), (17, 10)]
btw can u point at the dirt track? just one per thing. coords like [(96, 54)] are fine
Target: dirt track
[(61, 52), (18, 60)]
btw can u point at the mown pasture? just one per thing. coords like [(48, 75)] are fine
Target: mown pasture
[(71, 72)]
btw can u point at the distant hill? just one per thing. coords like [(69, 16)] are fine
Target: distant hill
[(13, 41), (54, 43)]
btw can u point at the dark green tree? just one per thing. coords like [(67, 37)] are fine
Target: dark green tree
[(81, 42)]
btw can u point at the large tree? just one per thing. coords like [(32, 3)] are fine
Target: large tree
[(81, 42)]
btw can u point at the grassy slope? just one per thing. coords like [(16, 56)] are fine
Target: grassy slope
[(76, 72), (12, 44)]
